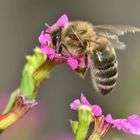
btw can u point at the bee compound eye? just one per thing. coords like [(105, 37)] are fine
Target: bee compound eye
[(55, 40)]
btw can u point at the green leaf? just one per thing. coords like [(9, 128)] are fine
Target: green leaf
[(74, 126)]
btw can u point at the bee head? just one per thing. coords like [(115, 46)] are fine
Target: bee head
[(76, 36)]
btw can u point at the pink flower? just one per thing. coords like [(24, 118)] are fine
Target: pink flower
[(49, 51), (45, 37), (129, 125), (45, 40), (72, 62), (96, 110), (62, 21)]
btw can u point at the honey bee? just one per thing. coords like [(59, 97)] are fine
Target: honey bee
[(97, 42)]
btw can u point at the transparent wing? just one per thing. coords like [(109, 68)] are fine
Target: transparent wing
[(117, 44), (113, 31), (114, 40)]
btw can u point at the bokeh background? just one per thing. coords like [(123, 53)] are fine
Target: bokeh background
[(21, 22)]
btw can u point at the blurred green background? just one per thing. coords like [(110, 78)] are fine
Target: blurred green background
[(21, 22)]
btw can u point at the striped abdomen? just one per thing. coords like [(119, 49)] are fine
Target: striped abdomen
[(105, 69)]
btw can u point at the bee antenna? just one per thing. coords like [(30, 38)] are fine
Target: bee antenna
[(47, 25)]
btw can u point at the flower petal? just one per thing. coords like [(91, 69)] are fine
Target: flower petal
[(75, 104), (49, 51), (108, 118), (130, 125), (97, 111), (44, 49), (81, 62), (63, 20), (72, 62), (44, 38), (84, 100)]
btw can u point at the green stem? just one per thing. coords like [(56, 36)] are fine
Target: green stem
[(31, 81), (11, 101), (85, 118), (36, 69)]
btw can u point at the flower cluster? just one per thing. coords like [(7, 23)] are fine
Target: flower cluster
[(45, 40), (129, 125)]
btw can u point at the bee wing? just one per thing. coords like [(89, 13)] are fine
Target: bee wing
[(113, 31), (117, 30), (116, 43)]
